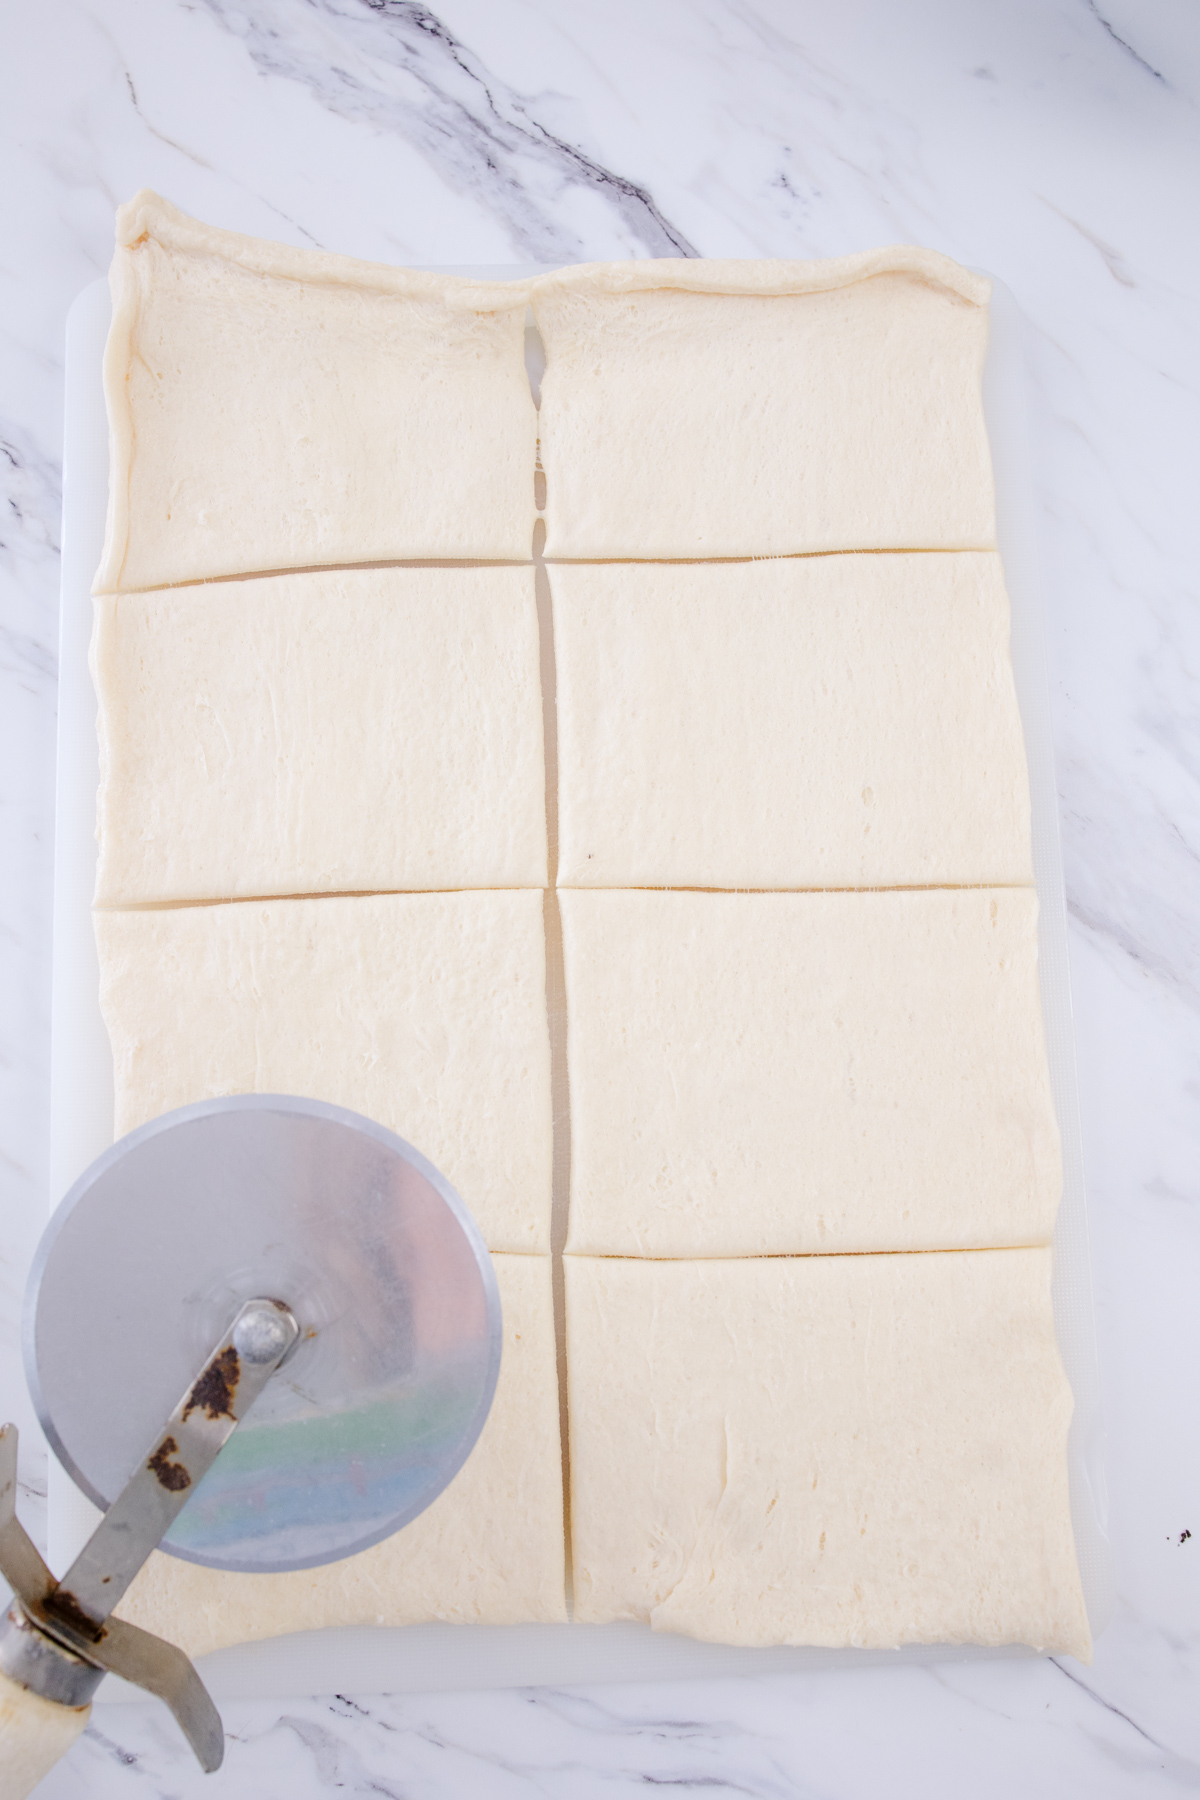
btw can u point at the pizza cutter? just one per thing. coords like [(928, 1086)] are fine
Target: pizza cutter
[(263, 1255)]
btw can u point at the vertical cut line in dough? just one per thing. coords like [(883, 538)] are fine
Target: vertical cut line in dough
[(556, 1001), (556, 1019), (556, 1013)]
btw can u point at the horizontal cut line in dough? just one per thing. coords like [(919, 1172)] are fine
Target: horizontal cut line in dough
[(724, 1256), (786, 556), (916, 887), (368, 893), (520, 887), (150, 906), (166, 587)]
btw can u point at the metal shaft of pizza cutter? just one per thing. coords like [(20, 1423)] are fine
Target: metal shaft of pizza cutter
[(190, 1441), (59, 1639)]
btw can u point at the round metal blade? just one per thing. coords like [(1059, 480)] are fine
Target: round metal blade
[(150, 1255)]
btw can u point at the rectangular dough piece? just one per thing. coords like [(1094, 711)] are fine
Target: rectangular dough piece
[(839, 1450), (809, 722), (426, 1012), (489, 1550), (335, 731), (779, 1074), (706, 409), (272, 408)]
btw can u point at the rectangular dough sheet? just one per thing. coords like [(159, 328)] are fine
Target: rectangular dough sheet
[(776, 1074), (333, 731), (707, 409), (847, 1451), (807, 722), (488, 1551), (272, 408), (426, 1012)]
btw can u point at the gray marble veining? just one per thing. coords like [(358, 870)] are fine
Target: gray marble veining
[(1056, 142)]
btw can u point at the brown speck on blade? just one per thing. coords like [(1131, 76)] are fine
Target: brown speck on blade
[(217, 1386), (173, 1476)]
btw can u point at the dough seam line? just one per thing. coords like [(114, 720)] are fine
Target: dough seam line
[(556, 1025), (808, 1255), (686, 562), (336, 568), (551, 562), (937, 887)]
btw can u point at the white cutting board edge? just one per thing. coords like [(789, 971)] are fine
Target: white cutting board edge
[(436, 1657)]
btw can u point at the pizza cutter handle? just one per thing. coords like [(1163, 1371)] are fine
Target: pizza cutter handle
[(34, 1734)]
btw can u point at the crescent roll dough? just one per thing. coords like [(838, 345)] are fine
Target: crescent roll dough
[(708, 409), (336, 731), (774, 1074), (841, 1450), (272, 408), (426, 1012), (808, 722)]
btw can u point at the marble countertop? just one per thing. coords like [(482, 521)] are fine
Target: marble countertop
[(1054, 142)]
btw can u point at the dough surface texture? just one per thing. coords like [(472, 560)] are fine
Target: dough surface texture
[(844, 1451), (488, 1551), (335, 731), (828, 721), (775, 1074), (272, 408), (711, 409), (426, 1012)]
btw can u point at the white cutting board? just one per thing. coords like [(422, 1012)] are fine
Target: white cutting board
[(433, 1658)]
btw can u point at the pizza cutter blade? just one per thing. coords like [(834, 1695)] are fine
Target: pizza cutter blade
[(261, 1250)]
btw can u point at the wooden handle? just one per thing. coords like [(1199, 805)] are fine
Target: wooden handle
[(34, 1733)]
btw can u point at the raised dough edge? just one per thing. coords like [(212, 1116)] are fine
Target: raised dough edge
[(764, 276), (148, 215), (118, 354)]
